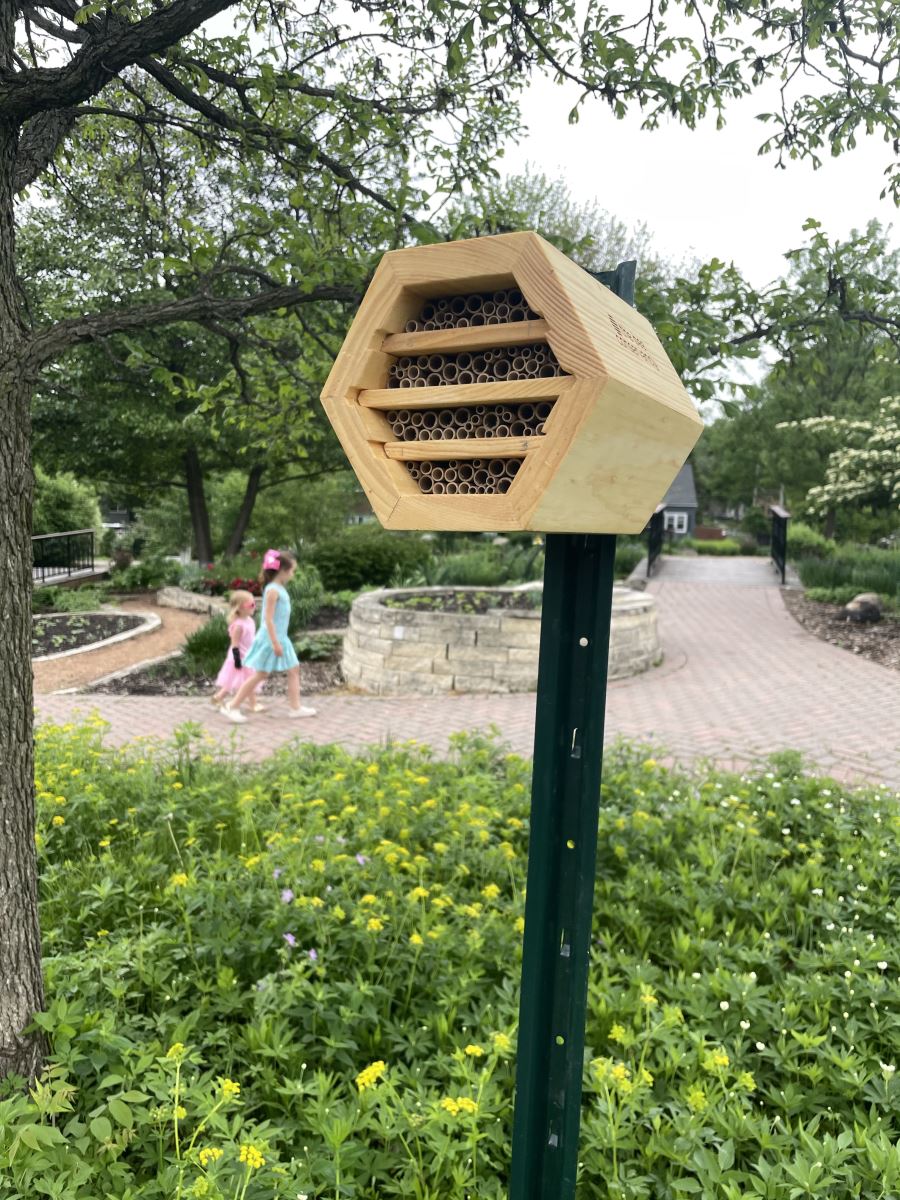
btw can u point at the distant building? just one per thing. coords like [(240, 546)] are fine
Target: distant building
[(681, 504)]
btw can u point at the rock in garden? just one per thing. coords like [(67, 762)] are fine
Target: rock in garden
[(863, 608)]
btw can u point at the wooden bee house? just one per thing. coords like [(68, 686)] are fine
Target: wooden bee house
[(492, 384)]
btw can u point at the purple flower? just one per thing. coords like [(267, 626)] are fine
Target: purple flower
[(287, 896), (314, 955), (361, 859), (277, 872), (290, 939)]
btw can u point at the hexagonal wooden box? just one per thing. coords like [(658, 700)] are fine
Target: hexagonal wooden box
[(492, 384)]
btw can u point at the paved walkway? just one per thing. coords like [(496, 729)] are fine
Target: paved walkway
[(740, 679)]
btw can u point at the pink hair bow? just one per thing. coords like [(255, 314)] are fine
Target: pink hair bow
[(271, 560)]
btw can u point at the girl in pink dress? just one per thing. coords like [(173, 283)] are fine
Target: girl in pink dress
[(242, 630)]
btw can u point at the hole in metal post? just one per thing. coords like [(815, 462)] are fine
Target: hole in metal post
[(570, 845), (582, 641), (560, 1040)]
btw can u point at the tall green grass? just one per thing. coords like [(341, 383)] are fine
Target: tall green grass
[(867, 570)]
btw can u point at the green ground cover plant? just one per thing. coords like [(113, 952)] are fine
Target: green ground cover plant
[(300, 979)]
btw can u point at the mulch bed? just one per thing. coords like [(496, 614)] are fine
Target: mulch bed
[(56, 633), (879, 642), (468, 603), (168, 679)]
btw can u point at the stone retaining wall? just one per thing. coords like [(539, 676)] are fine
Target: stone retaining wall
[(398, 651), (176, 597)]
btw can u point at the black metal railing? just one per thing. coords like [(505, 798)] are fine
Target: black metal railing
[(655, 537), (778, 551), (61, 555)]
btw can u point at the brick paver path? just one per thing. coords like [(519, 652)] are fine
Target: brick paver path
[(740, 679)]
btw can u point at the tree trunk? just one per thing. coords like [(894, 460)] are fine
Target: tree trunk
[(197, 504), (21, 983), (830, 522), (236, 541)]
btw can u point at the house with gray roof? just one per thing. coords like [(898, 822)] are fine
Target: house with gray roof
[(681, 504)]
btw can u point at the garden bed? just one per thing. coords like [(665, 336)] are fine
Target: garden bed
[(467, 601), (878, 642), (179, 676), (61, 633)]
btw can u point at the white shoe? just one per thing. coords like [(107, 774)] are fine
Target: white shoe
[(302, 711), (233, 714)]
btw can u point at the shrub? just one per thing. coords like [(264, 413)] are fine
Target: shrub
[(318, 957), (756, 523), (722, 547), (146, 575), (63, 503), (628, 555), (865, 570), (367, 556), (307, 596), (64, 600), (207, 646), (805, 542)]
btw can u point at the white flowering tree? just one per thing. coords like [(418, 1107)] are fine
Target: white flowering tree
[(864, 466)]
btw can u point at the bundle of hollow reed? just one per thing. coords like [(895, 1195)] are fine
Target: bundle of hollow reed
[(469, 421), (482, 308), (465, 477), (495, 365)]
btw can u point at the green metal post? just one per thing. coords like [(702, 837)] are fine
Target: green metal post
[(565, 804)]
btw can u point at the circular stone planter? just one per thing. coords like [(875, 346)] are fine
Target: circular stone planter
[(403, 651)]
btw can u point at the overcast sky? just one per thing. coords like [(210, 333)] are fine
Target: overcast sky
[(701, 191)]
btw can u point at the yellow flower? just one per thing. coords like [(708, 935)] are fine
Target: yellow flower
[(519, 925), (375, 925), (369, 899), (746, 1081), (200, 1187), (474, 1051), (176, 1050), (449, 1105), (104, 843), (230, 1089), (502, 1042), (418, 893), (620, 1072), (59, 820), (318, 864), (490, 891), (370, 1075), (60, 800), (646, 1077), (466, 1105), (441, 847), (102, 933), (177, 786), (416, 939), (316, 902), (716, 1060), (209, 1154), (251, 1156), (178, 880), (696, 1098), (617, 1034), (338, 913), (649, 999), (180, 1112)]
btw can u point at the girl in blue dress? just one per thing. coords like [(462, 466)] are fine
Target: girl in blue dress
[(272, 652)]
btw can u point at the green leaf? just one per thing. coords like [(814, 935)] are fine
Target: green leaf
[(101, 1129), (121, 1112)]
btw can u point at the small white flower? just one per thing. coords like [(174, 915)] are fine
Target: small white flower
[(786, 831), (695, 975), (752, 976), (848, 975), (882, 966), (888, 1068), (760, 1045), (817, 892), (745, 1025), (724, 1005)]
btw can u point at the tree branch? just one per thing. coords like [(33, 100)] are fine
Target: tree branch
[(41, 138), (100, 58), (50, 343)]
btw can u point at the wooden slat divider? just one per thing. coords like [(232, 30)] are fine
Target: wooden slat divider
[(440, 451), (452, 395), (471, 337)]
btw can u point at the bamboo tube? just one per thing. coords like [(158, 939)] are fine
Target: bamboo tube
[(501, 368), (518, 429), (436, 362), (445, 416), (416, 419), (495, 467), (477, 319), (491, 420), (450, 472), (427, 310), (465, 377), (437, 489), (414, 326), (451, 372), (503, 312), (433, 380), (543, 410), (409, 434), (531, 364), (458, 305), (437, 473), (489, 308), (464, 360), (465, 472), (511, 466), (479, 363), (547, 371), (503, 485), (484, 377), (418, 383), (448, 435), (502, 431), (526, 412), (425, 484)]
